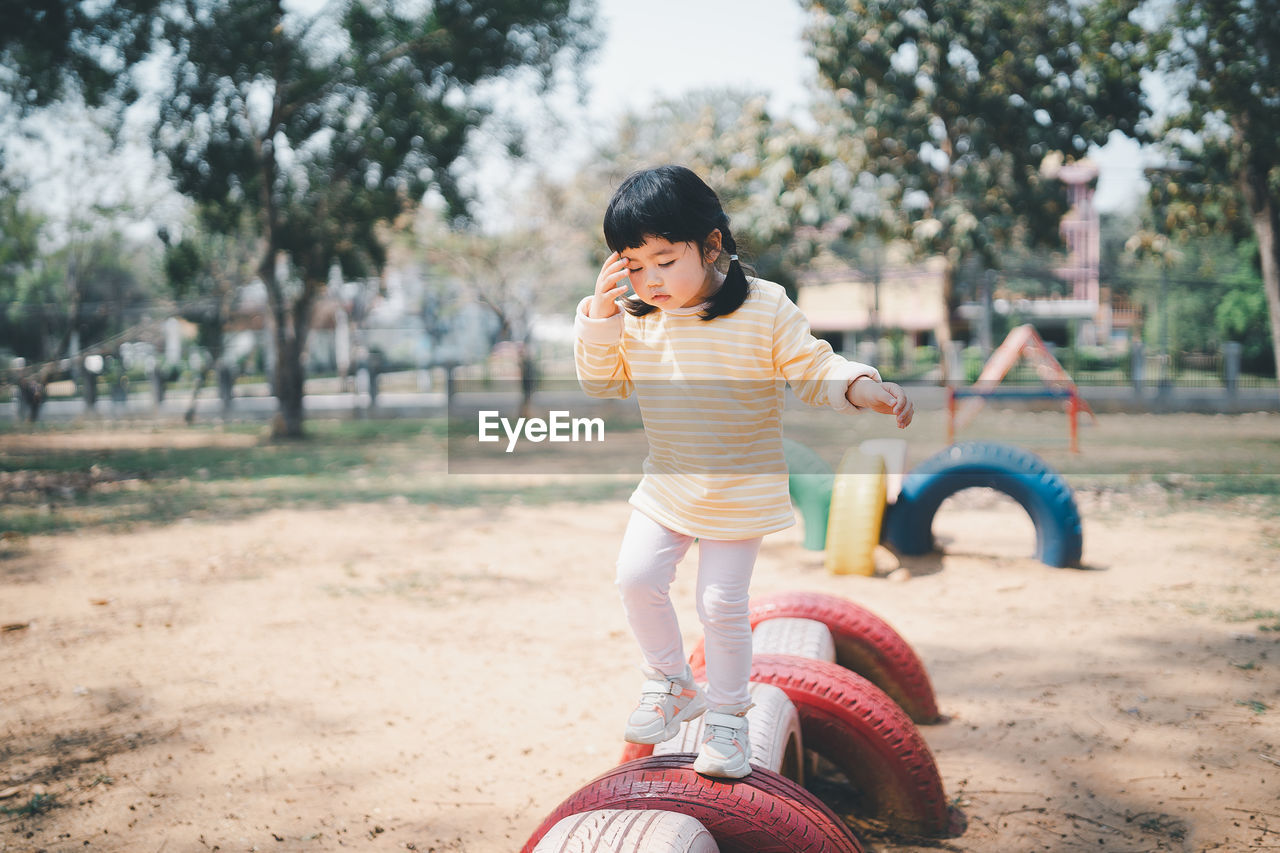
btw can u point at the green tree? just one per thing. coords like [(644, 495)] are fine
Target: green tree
[(85, 298), (19, 255), (54, 49), (941, 113), (1241, 312), (325, 128), (206, 271), (1224, 62), (54, 52)]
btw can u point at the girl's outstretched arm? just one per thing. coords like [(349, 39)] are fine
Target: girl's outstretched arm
[(817, 375)]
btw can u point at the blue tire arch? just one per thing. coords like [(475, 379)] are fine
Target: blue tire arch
[(1023, 476)]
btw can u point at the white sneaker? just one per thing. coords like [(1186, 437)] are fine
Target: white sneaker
[(726, 746), (665, 702)]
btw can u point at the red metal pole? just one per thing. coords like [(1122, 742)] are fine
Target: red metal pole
[(951, 415), (1073, 413)]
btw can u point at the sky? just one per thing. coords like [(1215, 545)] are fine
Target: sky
[(662, 48)]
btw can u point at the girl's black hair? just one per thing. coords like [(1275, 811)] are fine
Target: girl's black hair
[(673, 203)]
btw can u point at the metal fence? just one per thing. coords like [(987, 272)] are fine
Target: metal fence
[(1142, 369)]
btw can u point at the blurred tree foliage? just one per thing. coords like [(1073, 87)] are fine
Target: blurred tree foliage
[(53, 49), (206, 271), (1223, 65), (1213, 290), (92, 288), (50, 51), (547, 259), (19, 258), (1240, 314), (511, 274), (939, 116), (326, 128), (734, 143)]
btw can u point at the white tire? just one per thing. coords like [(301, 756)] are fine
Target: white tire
[(624, 831), (806, 638), (774, 727)]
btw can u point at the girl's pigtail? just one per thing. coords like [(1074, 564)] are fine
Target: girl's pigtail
[(733, 292)]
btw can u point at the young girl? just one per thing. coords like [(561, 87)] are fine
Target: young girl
[(707, 353)]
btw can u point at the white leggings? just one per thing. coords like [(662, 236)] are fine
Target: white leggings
[(646, 567)]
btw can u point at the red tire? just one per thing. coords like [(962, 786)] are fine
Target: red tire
[(763, 813), (858, 728), (632, 751), (865, 643)]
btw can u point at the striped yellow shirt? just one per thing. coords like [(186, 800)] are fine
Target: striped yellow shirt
[(711, 396)]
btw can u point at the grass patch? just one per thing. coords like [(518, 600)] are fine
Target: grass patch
[(1227, 486), (1191, 458), (62, 480), (38, 804), (57, 478)]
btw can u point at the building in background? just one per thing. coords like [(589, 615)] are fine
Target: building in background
[(851, 306)]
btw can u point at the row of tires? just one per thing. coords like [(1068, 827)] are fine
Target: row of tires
[(833, 684)]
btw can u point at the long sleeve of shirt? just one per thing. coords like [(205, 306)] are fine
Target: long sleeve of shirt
[(599, 354), (813, 370)]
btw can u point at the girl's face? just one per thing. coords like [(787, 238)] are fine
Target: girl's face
[(673, 275)]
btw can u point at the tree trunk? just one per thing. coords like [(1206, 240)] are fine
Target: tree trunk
[(158, 385), (190, 415), (208, 364), (30, 397), (528, 379), (1266, 227), (89, 386), (943, 330), (1266, 223), (289, 381), (226, 387)]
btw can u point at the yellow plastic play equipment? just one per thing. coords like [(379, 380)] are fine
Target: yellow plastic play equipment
[(858, 495), (846, 525)]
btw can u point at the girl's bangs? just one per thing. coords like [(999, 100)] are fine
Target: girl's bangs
[(643, 209)]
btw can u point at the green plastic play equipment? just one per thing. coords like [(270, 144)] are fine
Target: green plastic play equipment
[(810, 483)]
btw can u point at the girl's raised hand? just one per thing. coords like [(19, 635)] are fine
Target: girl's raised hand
[(607, 288)]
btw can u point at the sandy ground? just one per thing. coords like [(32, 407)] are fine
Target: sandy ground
[(396, 677)]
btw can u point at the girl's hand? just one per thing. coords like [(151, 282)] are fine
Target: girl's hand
[(607, 289), (887, 398)]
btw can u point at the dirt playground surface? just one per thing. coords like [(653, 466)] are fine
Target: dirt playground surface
[(392, 677)]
